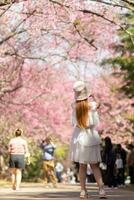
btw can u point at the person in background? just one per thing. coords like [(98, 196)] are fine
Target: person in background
[(123, 154), (85, 143), (2, 162), (64, 177), (119, 169), (130, 163), (103, 165), (109, 158), (59, 169), (48, 149), (90, 176), (18, 150), (76, 171), (70, 175)]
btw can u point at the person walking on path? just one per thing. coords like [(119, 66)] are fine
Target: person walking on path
[(48, 161), (85, 143), (18, 150)]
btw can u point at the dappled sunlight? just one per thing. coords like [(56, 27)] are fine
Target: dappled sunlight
[(64, 191)]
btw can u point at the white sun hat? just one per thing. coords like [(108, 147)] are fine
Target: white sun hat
[(80, 90)]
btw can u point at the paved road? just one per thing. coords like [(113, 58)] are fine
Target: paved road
[(36, 191)]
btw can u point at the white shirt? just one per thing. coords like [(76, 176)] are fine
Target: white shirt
[(119, 163), (59, 167)]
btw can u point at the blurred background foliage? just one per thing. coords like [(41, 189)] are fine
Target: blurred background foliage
[(124, 49)]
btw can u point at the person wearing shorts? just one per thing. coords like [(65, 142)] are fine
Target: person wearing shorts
[(18, 150)]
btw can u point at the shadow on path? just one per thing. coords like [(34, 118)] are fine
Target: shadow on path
[(65, 192)]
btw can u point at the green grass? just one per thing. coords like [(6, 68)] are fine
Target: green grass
[(4, 183)]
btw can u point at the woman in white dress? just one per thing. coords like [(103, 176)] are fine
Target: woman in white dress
[(85, 143)]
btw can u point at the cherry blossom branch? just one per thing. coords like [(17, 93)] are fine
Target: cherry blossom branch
[(8, 89), (5, 10), (130, 2), (131, 35), (60, 4), (12, 34), (114, 4), (23, 57), (14, 31), (29, 102), (6, 2), (90, 42)]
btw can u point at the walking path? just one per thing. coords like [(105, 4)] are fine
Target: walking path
[(37, 191)]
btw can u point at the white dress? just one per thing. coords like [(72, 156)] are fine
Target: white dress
[(85, 143)]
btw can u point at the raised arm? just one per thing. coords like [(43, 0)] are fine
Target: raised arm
[(93, 114)]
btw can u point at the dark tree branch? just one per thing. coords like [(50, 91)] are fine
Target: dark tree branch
[(6, 2), (12, 34), (16, 54), (112, 4), (131, 35), (90, 42), (14, 31), (5, 10), (9, 89), (101, 16), (59, 4), (130, 2)]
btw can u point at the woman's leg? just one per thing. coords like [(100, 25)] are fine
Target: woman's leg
[(82, 176), (98, 178), (13, 177), (97, 175), (18, 178)]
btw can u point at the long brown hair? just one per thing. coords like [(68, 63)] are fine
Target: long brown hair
[(82, 108)]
